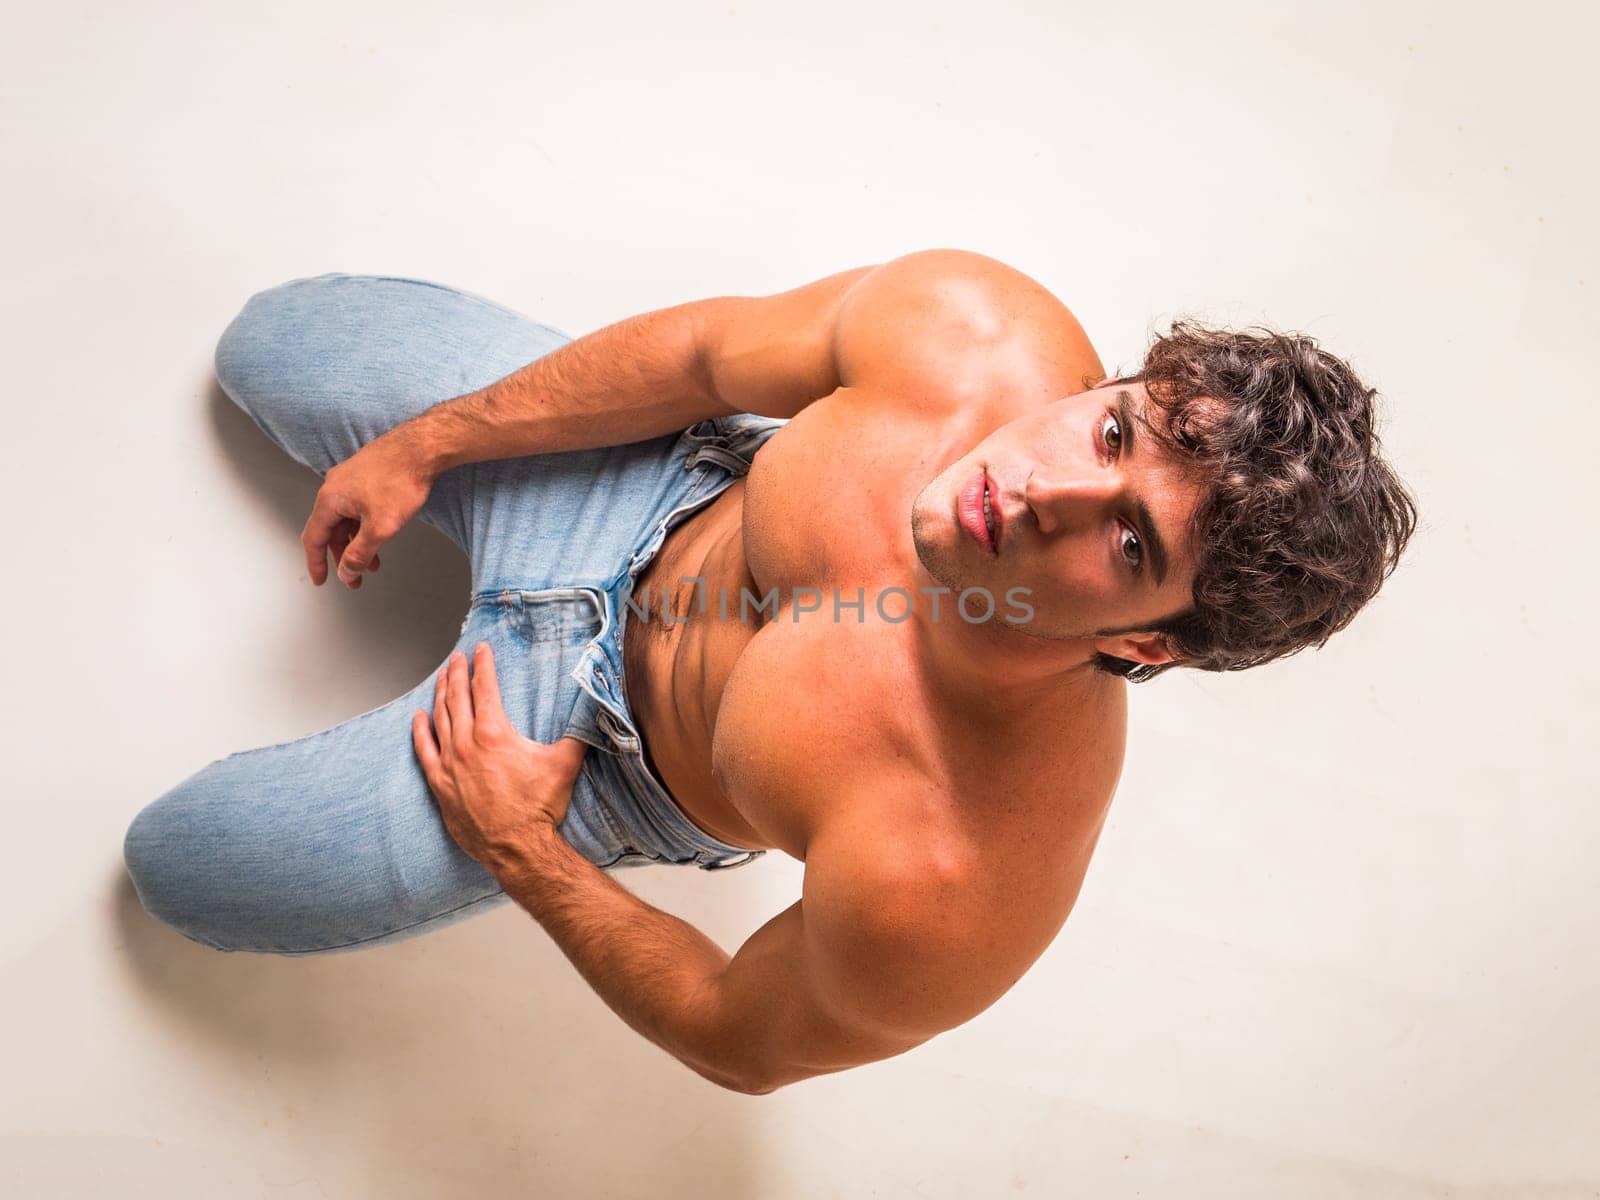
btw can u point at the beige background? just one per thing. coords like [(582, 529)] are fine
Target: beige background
[(1339, 939)]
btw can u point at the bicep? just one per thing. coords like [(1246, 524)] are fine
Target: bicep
[(781, 1015), (859, 969), (773, 355)]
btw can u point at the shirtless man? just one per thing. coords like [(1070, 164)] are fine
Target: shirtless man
[(1000, 538)]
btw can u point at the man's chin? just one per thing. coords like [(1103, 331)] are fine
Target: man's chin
[(936, 561)]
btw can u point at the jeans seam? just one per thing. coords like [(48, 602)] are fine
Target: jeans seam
[(362, 941), (454, 291)]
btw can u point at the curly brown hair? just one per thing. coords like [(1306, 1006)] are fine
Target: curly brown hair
[(1302, 520)]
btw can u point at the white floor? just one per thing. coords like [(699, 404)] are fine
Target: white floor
[(1339, 939)]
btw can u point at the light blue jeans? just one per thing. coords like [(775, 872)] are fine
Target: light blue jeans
[(333, 841)]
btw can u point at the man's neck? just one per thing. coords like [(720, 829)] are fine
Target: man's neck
[(992, 672)]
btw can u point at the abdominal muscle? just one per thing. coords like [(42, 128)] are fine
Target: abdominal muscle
[(675, 672)]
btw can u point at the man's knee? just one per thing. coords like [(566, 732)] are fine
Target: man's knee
[(277, 361), (244, 353), (154, 852)]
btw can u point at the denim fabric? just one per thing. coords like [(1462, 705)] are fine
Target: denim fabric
[(333, 841)]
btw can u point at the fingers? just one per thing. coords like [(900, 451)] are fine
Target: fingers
[(361, 555), (485, 685), (319, 531), (441, 707), (458, 698), (427, 749), (455, 699), (334, 528), (339, 539)]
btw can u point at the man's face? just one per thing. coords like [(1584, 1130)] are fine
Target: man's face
[(1091, 515)]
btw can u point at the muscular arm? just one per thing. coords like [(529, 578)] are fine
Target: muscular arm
[(643, 377), (926, 330), (907, 326), (865, 966)]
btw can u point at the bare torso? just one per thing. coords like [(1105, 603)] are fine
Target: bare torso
[(769, 730)]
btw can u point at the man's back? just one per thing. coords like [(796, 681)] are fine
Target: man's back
[(790, 703)]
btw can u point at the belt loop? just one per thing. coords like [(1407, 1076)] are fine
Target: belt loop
[(722, 456), (613, 729)]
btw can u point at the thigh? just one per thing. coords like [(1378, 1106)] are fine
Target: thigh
[(324, 365), (333, 841)]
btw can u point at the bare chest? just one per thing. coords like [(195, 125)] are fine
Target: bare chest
[(830, 691), (794, 559), (827, 503), (803, 691)]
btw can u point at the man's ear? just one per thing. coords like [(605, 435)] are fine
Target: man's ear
[(1150, 649)]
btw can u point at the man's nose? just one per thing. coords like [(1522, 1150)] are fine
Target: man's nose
[(1066, 499)]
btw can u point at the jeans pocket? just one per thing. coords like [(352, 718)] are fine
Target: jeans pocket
[(567, 616)]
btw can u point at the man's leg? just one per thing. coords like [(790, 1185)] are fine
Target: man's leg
[(326, 364), (333, 841)]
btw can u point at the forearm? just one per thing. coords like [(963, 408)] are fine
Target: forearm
[(637, 379), (655, 971)]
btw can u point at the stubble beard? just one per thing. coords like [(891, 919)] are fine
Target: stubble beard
[(939, 561)]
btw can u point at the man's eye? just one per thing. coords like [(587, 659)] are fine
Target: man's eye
[(1111, 430), (1131, 550)]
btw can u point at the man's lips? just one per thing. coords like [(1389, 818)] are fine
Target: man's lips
[(997, 514), (969, 509)]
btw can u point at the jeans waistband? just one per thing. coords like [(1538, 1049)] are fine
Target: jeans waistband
[(716, 452), (603, 709), (721, 450)]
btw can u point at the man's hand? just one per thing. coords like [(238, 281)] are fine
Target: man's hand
[(493, 785), (363, 502)]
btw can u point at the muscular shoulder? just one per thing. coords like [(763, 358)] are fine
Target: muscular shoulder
[(945, 322), (942, 901), (906, 947), (928, 933)]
